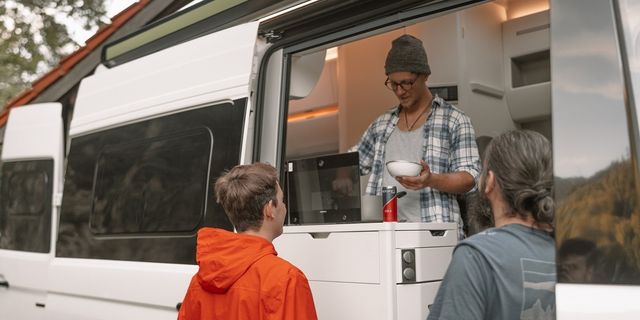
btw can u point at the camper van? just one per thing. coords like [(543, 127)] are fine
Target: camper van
[(101, 202)]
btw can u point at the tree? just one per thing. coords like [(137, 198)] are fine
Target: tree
[(33, 37)]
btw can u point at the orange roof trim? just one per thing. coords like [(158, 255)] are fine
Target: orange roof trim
[(71, 60)]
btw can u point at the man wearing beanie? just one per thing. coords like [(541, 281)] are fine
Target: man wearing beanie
[(421, 128)]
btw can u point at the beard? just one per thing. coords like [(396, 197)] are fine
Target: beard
[(479, 215)]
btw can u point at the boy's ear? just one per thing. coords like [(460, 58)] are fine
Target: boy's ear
[(267, 210)]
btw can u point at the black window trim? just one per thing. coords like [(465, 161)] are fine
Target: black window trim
[(629, 96), (180, 247)]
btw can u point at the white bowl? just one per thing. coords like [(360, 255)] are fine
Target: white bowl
[(403, 168)]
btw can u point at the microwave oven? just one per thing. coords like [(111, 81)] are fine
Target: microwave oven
[(323, 189)]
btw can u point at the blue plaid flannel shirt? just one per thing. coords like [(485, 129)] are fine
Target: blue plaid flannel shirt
[(449, 145)]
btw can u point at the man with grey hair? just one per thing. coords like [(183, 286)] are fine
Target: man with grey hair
[(423, 128), (509, 271)]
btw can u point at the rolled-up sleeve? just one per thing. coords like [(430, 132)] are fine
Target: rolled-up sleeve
[(464, 149), (366, 149)]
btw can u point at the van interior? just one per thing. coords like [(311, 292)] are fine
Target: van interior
[(492, 61)]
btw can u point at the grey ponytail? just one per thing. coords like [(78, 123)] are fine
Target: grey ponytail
[(522, 164)]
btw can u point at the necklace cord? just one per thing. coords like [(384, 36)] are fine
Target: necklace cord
[(406, 118), (406, 121)]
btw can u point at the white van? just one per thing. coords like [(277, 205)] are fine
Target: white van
[(99, 221)]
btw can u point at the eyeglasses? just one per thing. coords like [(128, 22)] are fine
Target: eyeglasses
[(406, 85)]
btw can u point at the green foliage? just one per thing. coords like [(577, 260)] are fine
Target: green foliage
[(33, 37)]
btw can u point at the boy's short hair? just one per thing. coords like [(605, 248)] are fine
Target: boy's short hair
[(244, 191)]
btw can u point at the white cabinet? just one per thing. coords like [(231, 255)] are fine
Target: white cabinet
[(481, 81), (356, 270), (527, 66)]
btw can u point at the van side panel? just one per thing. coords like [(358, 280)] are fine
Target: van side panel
[(210, 68), (108, 289), (149, 138), (31, 170), (33, 132)]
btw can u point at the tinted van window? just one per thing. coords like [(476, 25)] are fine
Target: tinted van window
[(25, 217), (140, 192), (597, 216), (152, 185)]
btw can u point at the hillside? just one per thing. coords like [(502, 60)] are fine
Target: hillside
[(603, 209)]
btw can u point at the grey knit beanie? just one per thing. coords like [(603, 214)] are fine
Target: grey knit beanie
[(407, 54)]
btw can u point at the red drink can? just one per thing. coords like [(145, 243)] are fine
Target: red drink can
[(390, 201)]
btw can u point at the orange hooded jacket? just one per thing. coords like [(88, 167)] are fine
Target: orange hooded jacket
[(240, 277)]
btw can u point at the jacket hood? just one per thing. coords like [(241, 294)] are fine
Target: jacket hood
[(225, 256)]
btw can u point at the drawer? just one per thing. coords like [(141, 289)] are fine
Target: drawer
[(414, 300), (348, 301), (333, 256), (426, 238)]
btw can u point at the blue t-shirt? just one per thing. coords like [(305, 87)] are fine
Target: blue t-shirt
[(501, 273)]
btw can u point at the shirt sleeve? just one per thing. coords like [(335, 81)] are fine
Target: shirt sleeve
[(464, 149), (464, 291), (366, 149)]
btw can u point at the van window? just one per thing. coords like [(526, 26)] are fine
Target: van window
[(153, 185), (25, 217), (483, 61), (597, 213), (139, 192), (26, 193), (491, 61)]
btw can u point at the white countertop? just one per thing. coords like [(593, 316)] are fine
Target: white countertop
[(369, 226)]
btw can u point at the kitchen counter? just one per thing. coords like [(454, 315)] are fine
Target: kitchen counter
[(382, 270)]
